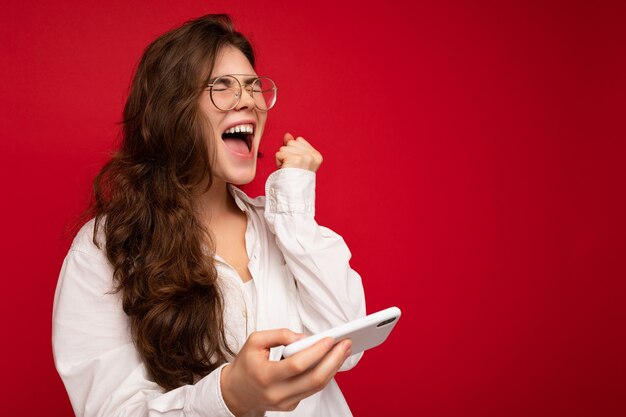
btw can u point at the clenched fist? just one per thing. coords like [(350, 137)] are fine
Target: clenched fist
[(298, 153)]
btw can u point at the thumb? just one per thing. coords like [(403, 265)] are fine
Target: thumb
[(287, 138), (266, 339)]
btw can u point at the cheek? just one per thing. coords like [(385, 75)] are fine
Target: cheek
[(212, 116), (213, 128)]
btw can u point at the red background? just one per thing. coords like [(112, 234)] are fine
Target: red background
[(474, 163)]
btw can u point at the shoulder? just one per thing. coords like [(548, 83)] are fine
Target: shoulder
[(86, 272), (85, 243)]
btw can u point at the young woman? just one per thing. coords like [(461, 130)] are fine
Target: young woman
[(176, 297)]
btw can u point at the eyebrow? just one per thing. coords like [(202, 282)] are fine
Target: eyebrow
[(248, 79)]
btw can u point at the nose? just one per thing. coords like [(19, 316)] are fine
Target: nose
[(246, 101)]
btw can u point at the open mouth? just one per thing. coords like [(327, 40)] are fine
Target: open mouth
[(239, 138)]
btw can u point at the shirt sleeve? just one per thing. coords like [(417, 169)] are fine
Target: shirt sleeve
[(95, 356), (330, 291)]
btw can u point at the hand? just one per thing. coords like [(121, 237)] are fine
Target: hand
[(298, 153), (254, 383)]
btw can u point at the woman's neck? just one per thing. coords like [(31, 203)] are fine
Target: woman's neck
[(215, 203)]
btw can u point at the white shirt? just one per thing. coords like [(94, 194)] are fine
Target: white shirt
[(250, 300), (302, 281)]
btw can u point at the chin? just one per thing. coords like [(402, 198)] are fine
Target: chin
[(240, 177), (241, 182)]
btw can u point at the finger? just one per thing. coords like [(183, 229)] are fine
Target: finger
[(288, 137), (294, 144), (303, 360), (303, 141), (287, 157), (267, 339), (305, 146), (303, 161), (294, 150), (285, 152), (280, 157), (316, 378)]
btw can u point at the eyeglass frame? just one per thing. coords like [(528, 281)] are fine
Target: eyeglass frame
[(248, 89)]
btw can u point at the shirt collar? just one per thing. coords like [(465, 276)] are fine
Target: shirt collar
[(242, 200)]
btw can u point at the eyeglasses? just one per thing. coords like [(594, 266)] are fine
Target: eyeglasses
[(226, 91)]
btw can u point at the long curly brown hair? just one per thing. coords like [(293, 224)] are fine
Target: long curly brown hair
[(144, 200)]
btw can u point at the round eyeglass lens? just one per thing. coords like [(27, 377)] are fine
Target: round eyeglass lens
[(225, 92), (264, 92)]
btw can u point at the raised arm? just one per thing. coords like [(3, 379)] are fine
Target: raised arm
[(330, 291)]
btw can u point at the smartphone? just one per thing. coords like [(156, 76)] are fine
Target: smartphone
[(365, 333)]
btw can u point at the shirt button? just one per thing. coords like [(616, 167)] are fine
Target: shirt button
[(272, 191)]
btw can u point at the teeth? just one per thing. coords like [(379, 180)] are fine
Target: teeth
[(241, 129)]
